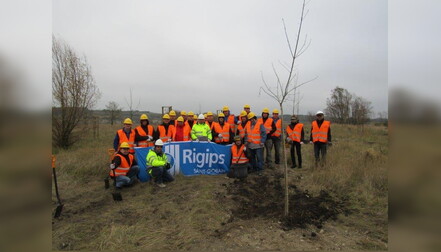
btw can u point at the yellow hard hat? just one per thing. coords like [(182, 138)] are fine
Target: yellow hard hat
[(221, 115), (144, 117), (172, 113), (275, 111), (246, 106), (265, 110), (190, 113), (127, 121), (251, 115), (166, 116), (205, 115), (183, 112), (209, 113), (124, 145), (225, 108), (180, 119), (195, 117), (243, 113)]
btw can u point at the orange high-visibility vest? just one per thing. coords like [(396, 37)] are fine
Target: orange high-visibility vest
[(238, 155), (165, 136), (230, 119), (213, 124), (320, 134), (267, 124), (141, 132), (186, 134), (242, 129), (278, 131), (124, 167), (123, 138), (296, 133), (225, 131), (253, 134)]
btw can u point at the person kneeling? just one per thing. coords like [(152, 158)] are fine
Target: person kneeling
[(239, 162), (158, 164), (124, 168)]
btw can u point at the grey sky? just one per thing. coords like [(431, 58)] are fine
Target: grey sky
[(183, 53)]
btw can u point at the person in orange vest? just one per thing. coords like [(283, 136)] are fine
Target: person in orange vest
[(255, 137), (276, 137), (172, 115), (165, 130), (223, 134), (191, 119), (184, 115), (238, 156), (124, 168), (144, 132), (182, 131), (210, 121), (270, 128), (242, 124), (320, 136), (126, 134), (295, 137), (230, 118)]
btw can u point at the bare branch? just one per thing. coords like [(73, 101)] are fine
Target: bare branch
[(287, 38)]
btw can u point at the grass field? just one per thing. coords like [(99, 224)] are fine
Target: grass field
[(203, 212)]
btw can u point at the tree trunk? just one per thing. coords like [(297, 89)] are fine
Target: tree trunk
[(285, 164)]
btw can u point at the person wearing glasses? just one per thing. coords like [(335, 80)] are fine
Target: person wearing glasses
[(158, 165)]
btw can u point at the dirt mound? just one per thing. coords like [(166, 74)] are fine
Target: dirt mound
[(263, 197)]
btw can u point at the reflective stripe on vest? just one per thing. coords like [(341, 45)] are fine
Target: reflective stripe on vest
[(278, 131), (296, 133), (186, 133), (242, 129), (123, 138), (238, 156), (253, 134), (268, 124), (225, 131), (165, 136), (142, 132), (320, 134), (124, 167)]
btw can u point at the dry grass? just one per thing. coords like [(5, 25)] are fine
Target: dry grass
[(186, 214)]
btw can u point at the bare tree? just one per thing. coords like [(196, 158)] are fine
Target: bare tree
[(130, 104), (339, 105), (361, 110), (283, 89), (73, 92), (113, 111)]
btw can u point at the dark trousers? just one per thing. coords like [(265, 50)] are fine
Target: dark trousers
[(129, 178), (256, 158), (320, 147), (277, 144), (298, 149), (160, 174)]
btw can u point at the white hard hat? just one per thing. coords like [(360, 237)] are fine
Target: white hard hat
[(159, 142), (201, 117), (319, 112)]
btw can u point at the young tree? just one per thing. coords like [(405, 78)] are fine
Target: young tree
[(73, 92), (130, 104), (113, 111), (339, 105), (281, 91)]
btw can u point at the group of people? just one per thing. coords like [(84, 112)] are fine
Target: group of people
[(250, 138)]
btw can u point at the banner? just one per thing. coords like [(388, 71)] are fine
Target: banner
[(189, 158)]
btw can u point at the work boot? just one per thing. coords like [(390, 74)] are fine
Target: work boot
[(161, 185)]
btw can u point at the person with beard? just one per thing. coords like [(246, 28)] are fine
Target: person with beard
[(321, 137), (190, 119), (165, 130), (295, 136), (144, 132), (223, 133)]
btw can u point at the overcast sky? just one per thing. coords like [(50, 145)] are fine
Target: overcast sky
[(186, 53)]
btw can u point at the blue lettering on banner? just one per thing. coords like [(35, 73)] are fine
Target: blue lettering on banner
[(190, 158)]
